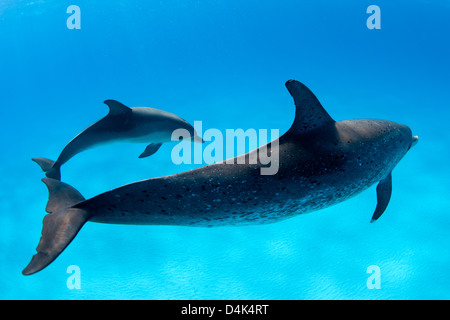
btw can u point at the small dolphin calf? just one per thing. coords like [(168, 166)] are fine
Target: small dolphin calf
[(137, 124), (321, 162)]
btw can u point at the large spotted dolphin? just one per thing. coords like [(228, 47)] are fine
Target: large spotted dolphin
[(321, 162), (137, 124)]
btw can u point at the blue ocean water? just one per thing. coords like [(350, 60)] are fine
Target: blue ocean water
[(225, 62)]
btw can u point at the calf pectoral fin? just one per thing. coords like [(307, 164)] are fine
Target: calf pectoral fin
[(150, 149), (384, 191)]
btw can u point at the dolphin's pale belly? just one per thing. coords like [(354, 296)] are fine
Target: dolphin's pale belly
[(151, 137)]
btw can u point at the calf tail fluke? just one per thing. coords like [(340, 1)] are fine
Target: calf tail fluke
[(48, 166), (60, 226)]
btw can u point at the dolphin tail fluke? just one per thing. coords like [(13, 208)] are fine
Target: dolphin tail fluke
[(48, 166), (60, 226)]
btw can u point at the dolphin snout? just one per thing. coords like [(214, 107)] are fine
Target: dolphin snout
[(198, 139), (414, 141)]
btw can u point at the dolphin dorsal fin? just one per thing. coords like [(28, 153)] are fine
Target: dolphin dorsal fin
[(116, 108), (309, 113)]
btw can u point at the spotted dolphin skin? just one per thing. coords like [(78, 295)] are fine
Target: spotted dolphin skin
[(137, 124), (321, 162)]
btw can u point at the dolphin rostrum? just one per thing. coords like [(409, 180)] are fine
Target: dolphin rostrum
[(321, 162), (137, 124)]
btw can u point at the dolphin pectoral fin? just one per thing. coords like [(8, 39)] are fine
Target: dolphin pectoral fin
[(48, 166), (384, 191), (150, 149), (60, 226)]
